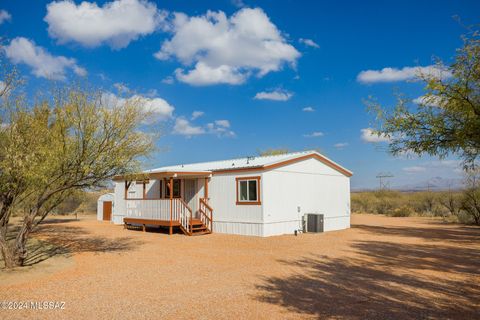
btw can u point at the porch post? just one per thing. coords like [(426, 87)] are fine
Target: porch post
[(170, 186), (127, 185), (205, 190)]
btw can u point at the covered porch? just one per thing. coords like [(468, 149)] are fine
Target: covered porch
[(172, 200)]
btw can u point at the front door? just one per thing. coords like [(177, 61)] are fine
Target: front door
[(107, 210), (189, 194)]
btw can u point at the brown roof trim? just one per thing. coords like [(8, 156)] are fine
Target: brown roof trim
[(309, 156), (290, 161)]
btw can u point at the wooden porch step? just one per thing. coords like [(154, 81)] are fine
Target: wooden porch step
[(199, 233), (197, 222)]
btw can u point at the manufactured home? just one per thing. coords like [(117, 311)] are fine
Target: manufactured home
[(258, 196)]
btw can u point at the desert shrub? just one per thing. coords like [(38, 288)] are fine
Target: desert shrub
[(403, 211), (450, 202), (89, 204), (465, 218), (455, 206), (470, 201), (84, 202), (395, 203), (71, 203)]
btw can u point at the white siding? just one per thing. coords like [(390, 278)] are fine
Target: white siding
[(305, 187), (286, 194), (119, 209), (152, 189), (229, 217)]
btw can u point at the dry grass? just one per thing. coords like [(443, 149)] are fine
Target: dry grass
[(381, 268), (406, 204)]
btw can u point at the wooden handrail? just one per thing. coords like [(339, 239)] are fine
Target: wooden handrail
[(185, 204), (204, 201), (203, 207), (187, 225)]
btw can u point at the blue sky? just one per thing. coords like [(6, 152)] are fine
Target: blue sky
[(215, 57)]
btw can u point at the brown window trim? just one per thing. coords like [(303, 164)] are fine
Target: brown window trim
[(258, 202), (160, 189)]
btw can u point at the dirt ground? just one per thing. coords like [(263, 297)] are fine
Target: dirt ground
[(381, 268)]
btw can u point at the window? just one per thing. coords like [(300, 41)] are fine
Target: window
[(248, 190), (176, 189)]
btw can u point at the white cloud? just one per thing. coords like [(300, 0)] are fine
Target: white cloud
[(152, 93), (223, 123), (440, 166), (314, 134), (444, 163), (340, 145), (429, 101), (276, 95), (308, 109), (414, 169), (406, 73), (43, 64), (5, 16), (309, 43), (368, 135), (122, 88), (185, 128), (197, 114), (116, 23), (168, 80), (226, 49), (238, 3), (220, 128), (159, 108), (203, 75)]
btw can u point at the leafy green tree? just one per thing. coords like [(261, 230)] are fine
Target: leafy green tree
[(447, 119), (56, 147)]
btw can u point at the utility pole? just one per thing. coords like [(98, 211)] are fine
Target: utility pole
[(382, 178)]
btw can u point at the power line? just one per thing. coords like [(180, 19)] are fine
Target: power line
[(382, 179)]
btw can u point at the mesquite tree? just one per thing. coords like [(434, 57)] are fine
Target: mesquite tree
[(447, 119), (54, 148)]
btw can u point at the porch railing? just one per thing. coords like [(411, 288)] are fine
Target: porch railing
[(206, 214), (183, 213), (157, 209)]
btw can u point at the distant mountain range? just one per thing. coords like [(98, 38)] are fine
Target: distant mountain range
[(433, 184)]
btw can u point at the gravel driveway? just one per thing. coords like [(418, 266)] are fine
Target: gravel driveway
[(381, 268)]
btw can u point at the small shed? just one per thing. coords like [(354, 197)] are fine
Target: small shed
[(105, 207)]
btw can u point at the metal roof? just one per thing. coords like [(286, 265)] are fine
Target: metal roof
[(244, 163)]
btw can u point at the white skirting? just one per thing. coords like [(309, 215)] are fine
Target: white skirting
[(268, 229)]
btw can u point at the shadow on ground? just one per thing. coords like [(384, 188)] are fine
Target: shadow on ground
[(383, 280), (51, 239), (462, 234)]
